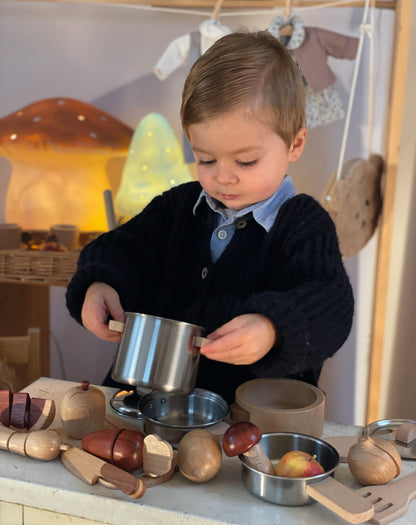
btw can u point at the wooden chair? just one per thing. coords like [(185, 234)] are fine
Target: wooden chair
[(22, 353)]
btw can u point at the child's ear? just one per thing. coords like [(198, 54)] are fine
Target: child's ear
[(298, 143)]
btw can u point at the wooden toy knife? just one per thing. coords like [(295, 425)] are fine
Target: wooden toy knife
[(90, 469)]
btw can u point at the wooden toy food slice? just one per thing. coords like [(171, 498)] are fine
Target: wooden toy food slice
[(121, 447), (22, 412)]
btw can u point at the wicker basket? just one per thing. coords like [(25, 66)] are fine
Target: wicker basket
[(37, 266)]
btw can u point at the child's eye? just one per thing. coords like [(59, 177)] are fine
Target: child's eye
[(247, 164), (206, 162)]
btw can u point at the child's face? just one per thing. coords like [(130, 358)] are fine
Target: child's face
[(240, 160)]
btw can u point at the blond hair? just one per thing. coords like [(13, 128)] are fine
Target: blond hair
[(250, 70)]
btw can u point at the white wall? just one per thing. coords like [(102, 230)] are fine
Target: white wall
[(104, 55)]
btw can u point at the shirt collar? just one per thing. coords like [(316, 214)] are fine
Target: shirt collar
[(264, 212)]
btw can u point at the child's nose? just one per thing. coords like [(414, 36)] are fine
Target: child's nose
[(225, 176)]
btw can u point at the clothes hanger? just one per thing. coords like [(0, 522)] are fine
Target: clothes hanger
[(216, 10), (287, 29)]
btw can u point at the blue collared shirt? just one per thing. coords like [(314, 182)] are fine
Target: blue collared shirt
[(264, 213)]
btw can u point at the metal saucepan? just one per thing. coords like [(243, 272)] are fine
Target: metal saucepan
[(171, 416), (157, 353), (302, 491)]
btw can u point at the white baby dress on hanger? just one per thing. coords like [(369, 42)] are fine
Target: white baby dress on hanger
[(188, 48), (185, 50)]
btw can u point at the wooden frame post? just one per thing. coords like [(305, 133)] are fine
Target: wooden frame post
[(393, 139)]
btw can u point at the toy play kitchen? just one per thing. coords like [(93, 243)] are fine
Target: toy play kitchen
[(207, 479)]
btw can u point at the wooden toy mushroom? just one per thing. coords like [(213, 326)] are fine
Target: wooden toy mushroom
[(60, 150), (244, 438)]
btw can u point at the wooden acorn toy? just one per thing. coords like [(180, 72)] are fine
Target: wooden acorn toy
[(39, 444), (199, 455), (120, 447), (82, 410), (243, 438)]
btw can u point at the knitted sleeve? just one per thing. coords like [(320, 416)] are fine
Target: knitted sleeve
[(313, 310), (128, 257)]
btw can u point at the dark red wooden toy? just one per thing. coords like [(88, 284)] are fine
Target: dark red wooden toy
[(244, 438), (118, 446)]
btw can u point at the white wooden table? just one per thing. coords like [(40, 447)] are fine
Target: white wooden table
[(34, 492)]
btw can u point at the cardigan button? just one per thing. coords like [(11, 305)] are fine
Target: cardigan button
[(204, 273), (241, 224)]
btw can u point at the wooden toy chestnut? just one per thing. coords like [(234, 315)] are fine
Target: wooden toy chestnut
[(118, 446)]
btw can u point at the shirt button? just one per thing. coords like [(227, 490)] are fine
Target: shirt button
[(204, 273), (241, 224), (222, 235)]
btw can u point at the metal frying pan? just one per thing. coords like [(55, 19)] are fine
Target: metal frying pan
[(301, 491), (386, 429)]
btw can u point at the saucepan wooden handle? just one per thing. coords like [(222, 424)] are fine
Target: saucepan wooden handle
[(341, 500), (116, 326), (200, 341)]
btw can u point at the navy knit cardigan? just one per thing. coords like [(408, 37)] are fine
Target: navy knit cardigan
[(159, 262)]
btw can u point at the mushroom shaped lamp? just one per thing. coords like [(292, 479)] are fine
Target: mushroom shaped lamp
[(244, 438), (154, 164), (59, 149)]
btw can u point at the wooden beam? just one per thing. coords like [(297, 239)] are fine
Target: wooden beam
[(393, 139), (227, 4)]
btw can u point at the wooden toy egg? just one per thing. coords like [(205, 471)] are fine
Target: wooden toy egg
[(82, 410), (199, 455)]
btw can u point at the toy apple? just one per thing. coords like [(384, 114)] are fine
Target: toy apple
[(298, 464)]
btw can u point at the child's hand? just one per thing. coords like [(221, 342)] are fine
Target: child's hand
[(242, 341), (101, 300)]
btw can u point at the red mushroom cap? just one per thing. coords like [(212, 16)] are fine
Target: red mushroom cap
[(240, 437), (64, 124)]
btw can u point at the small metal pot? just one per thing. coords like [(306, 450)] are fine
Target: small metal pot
[(158, 353), (171, 416), (302, 491)]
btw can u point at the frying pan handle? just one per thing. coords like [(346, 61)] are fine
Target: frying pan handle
[(116, 326), (341, 500), (201, 341)]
